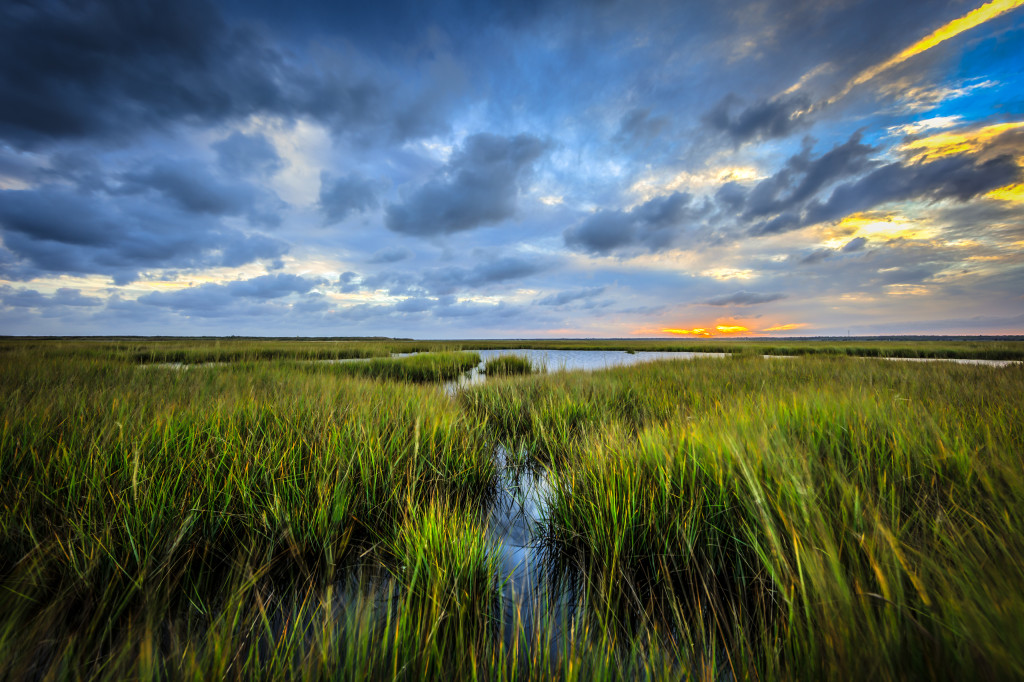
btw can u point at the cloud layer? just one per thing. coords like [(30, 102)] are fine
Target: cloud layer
[(520, 169)]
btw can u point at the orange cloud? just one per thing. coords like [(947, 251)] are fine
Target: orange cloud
[(786, 327), (699, 331), (706, 331)]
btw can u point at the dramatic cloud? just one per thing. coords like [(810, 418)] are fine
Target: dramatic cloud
[(956, 177), (510, 169), (62, 231), (478, 186), (341, 197), (76, 71), (190, 187), (775, 117), (653, 225), (241, 154), (803, 176)]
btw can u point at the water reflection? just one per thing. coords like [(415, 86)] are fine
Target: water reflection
[(569, 360)]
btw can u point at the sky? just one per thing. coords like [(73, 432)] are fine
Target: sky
[(529, 169)]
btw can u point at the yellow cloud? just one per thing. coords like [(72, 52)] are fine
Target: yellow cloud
[(786, 327), (876, 227), (728, 273), (1012, 193), (960, 142), (954, 28), (699, 331), (705, 331)]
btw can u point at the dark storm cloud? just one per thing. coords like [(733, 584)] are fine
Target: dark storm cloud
[(769, 118), (111, 69), (241, 154), (802, 176), (191, 187), (479, 186), (744, 298), (794, 196), (653, 225), (58, 230), (80, 69), (340, 197), (960, 177)]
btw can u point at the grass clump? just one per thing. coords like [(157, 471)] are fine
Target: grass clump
[(423, 367), (446, 559), (507, 365), (127, 492)]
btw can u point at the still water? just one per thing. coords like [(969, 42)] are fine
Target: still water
[(568, 360)]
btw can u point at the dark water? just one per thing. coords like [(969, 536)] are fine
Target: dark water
[(515, 522)]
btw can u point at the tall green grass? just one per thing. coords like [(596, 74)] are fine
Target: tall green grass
[(505, 365), (822, 517), (419, 368)]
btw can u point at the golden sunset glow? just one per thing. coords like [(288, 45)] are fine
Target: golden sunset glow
[(1011, 193), (699, 331), (287, 197), (707, 331), (954, 28), (876, 227), (957, 142), (729, 273)]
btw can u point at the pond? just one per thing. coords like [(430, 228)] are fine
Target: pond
[(569, 360)]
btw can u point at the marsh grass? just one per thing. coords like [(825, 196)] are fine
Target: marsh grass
[(423, 367), (507, 365), (822, 517)]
